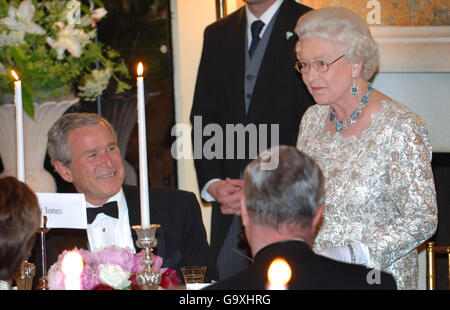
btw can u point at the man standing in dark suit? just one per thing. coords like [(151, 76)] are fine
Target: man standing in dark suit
[(246, 79), (83, 149), (281, 208)]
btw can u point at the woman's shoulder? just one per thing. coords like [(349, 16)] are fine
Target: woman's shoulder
[(316, 110), (404, 121), (313, 115), (400, 114)]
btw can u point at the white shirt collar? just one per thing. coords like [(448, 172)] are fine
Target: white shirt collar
[(266, 17), (117, 197)]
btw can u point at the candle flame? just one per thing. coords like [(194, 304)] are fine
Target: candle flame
[(279, 273), (14, 74), (72, 264), (140, 69)]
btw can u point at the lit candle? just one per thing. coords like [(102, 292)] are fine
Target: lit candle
[(19, 127), (143, 173), (72, 267), (279, 274)]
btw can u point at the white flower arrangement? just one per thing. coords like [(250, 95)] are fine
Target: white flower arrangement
[(51, 44)]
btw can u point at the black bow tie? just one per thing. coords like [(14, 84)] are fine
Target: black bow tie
[(109, 208)]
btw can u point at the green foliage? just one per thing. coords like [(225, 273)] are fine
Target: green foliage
[(51, 45)]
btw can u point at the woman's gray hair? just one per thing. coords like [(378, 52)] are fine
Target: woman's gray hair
[(58, 144), (345, 27), (289, 194)]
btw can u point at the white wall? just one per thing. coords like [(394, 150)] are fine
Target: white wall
[(189, 19), (426, 94)]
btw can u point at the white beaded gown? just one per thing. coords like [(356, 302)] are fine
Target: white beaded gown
[(379, 187)]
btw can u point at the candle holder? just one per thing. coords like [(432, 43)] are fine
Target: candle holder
[(24, 277), (43, 281), (149, 278)]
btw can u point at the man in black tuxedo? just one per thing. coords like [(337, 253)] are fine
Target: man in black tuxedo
[(281, 208), (83, 149), (246, 77)]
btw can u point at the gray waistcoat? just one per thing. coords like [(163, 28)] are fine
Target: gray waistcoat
[(253, 64)]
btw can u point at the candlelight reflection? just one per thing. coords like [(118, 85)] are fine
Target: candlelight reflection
[(72, 267), (279, 274)]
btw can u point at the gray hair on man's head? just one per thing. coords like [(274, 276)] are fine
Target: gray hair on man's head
[(289, 194), (58, 144), (345, 27)]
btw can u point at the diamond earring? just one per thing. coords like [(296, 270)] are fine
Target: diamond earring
[(354, 86)]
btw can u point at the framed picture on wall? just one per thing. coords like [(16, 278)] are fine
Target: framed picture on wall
[(413, 36)]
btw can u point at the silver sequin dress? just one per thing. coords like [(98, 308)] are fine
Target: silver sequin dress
[(379, 187)]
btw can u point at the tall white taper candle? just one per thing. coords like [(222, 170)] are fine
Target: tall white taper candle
[(19, 128), (143, 172)]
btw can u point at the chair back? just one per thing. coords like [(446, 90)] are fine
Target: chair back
[(432, 251)]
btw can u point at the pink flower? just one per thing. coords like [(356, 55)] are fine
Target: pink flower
[(56, 277), (89, 278), (137, 266), (158, 261), (88, 257), (124, 257)]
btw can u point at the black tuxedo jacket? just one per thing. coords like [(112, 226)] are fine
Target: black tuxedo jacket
[(279, 96), (309, 272), (181, 237)]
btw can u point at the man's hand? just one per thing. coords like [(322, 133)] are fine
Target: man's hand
[(227, 193)]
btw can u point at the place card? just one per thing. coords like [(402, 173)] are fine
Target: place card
[(63, 210)]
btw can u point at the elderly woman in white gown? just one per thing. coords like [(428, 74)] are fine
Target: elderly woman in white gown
[(374, 152)]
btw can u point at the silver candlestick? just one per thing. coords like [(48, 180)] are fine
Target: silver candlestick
[(149, 278), (43, 281)]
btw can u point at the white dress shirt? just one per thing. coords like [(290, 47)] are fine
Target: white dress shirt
[(265, 18), (107, 231)]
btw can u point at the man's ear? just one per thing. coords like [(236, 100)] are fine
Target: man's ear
[(244, 214), (317, 218), (63, 171)]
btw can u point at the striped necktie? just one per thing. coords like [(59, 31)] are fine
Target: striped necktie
[(256, 28)]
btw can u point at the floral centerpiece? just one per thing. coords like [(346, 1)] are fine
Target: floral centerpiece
[(52, 45), (111, 268)]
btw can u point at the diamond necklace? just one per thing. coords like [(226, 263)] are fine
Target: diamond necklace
[(343, 125)]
